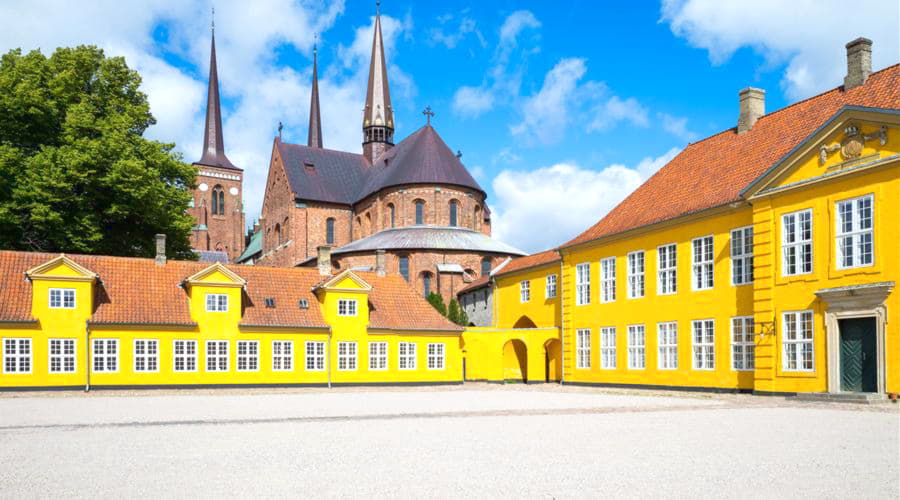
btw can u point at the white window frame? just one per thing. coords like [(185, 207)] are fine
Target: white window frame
[(743, 347), (65, 359), (795, 321), (608, 280), (65, 298), (703, 344), (217, 357), (583, 284), (667, 340), (608, 348), (524, 291), (550, 287), (667, 269), (108, 363), (347, 356), (858, 235), (583, 348), (703, 269), (13, 355), (406, 356), (282, 355), (378, 356), (216, 302), (314, 356), (636, 266), (347, 307), (794, 242), (188, 355), (637, 347), (141, 354), (436, 360), (741, 246), (248, 355)]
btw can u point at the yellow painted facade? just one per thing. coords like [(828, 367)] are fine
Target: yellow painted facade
[(539, 311)]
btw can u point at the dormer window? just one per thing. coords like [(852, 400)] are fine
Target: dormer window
[(216, 302), (303, 304), (62, 298), (309, 167), (347, 307)]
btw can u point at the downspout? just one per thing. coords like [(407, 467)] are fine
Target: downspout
[(562, 304), (87, 356)]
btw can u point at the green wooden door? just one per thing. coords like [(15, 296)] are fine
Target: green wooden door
[(858, 362)]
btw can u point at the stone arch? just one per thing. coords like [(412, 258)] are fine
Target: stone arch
[(420, 211), (524, 322), (453, 213), (515, 361)]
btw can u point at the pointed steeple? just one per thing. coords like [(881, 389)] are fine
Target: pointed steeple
[(315, 121), (213, 144), (378, 115)]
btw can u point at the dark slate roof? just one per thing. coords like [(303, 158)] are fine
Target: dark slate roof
[(212, 256), (429, 237), (252, 249), (335, 176)]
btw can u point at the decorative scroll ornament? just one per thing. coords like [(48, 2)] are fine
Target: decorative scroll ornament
[(852, 145)]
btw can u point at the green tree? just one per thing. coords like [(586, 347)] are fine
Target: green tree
[(437, 302), (76, 173), (456, 314)]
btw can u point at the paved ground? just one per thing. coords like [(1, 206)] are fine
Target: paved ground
[(474, 441)]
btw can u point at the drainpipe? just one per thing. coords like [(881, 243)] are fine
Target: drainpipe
[(87, 357)]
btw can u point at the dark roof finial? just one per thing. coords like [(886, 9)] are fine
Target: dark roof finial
[(428, 114), (377, 7), (280, 128), (213, 23)]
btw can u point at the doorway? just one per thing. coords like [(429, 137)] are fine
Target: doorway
[(515, 361), (858, 355)]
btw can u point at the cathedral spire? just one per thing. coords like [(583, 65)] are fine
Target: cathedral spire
[(315, 121), (378, 115), (213, 144)]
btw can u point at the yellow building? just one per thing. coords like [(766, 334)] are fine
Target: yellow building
[(111, 322)]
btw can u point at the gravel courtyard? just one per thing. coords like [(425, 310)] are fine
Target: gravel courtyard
[(471, 441)]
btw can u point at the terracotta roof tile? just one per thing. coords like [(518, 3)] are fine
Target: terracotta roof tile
[(712, 172), (480, 282), (529, 261)]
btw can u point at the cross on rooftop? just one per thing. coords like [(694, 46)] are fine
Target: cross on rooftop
[(428, 114)]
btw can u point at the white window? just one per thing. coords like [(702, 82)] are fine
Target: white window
[(704, 337), (435, 356), (742, 256), (550, 288), (797, 338), (667, 337), (216, 302), (855, 236), (742, 345), (378, 355), (282, 355), (667, 273), (608, 279), (217, 355), (315, 356), (636, 274), (524, 291), (796, 243), (346, 307), (583, 348), (62, 356), (248, 355), (582, 284), (16, 355), (637, 359), (703, 263), (407, 356), (146, 355), (185, 355), (608, 348), (106, 355), (347, 356), (62, 298)]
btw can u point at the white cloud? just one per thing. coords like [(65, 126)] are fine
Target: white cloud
[(676, 126), (472, 101), (451, 36), (807, 35), (545, 207), (513, 26), (546, 113), (615, 110)]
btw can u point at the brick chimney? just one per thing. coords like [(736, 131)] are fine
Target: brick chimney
[(752, 105), (324, 260), (379, 263), (859, 63), (160, 249)]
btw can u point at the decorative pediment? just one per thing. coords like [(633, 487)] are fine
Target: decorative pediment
[(216, 275), (61, 268), (346, 281)]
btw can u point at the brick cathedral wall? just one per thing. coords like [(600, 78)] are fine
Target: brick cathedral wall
[(224, 232)]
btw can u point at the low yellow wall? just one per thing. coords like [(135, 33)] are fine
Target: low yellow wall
[(496, 355)]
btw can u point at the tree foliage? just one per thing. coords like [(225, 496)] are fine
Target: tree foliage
[(437, 302), (76, 173), (456, 314)]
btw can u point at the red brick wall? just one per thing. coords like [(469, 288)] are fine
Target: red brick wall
[(437, 208), (224, 232)]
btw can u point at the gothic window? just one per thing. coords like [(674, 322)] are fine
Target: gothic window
[(420, 212), (218, 200), (453, 213), (369, 229), (277, 234), (404, 267), (329, 231), (476, 217), (426, 283), (485, 267), (391, 214)]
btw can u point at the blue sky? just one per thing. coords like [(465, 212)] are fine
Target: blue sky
[(560, 109)]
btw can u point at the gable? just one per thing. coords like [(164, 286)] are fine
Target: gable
[(61, 268), (216, 275), (346, 281)]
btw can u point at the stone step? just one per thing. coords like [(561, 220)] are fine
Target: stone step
[(842, 397)]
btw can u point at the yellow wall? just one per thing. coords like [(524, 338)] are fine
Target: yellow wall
[(491, 355), (510, 309)]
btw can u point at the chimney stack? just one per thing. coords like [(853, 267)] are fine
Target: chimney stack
[(379, 263), (859, 63), (753, 106), (324, 260), (160, 249)]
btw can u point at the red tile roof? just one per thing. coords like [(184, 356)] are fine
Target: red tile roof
[(529, 261), (133, 290), (712, 172)]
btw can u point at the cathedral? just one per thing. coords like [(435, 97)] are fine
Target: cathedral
[(410, 208)]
